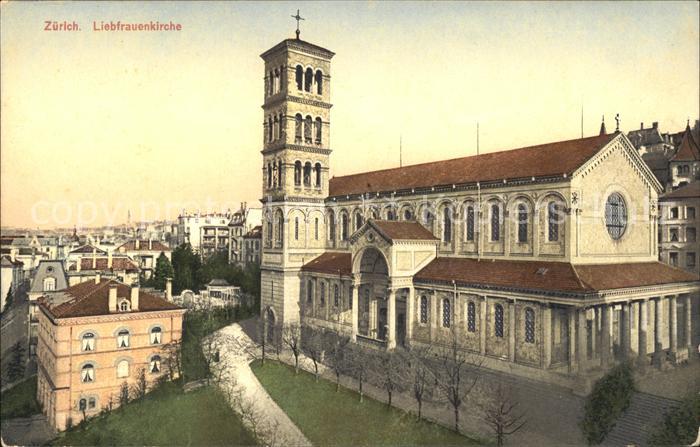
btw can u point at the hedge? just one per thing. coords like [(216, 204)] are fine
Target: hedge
[(680, 425)]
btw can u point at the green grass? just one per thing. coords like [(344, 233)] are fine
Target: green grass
[(165, 417), (20, 400), (328, 417)]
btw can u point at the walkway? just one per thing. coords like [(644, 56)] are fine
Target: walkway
[(272, 424), (636, 423)]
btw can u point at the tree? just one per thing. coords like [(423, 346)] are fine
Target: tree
[(359, 365), (15, 369), (337, 358), (8, 300), (500, 412), (291, 337), (124, 393), (162, 272), (141, 384), (312, 345), (172, 359), (456, 373), (679, 425), (389, 370), (187, 268), (421, 376)]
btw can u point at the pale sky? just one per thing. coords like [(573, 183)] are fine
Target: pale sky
[(96, 123)]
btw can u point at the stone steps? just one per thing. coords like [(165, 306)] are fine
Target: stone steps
[(634, 425)]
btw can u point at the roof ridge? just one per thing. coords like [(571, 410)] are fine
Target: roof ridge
[(581, 282), (90, 293)]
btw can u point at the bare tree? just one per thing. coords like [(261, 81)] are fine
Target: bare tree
[(212, 347), (337, 358), (389, 372), (359, 365), (172, 359), (141, 384), (291, 337), (500, 412), (456, 372), (124, 393), (313, 346), (421, 376)]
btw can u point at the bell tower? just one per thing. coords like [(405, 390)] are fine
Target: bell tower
[(296, 153)]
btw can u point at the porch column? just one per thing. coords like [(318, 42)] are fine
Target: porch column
[(355, 306), (511, 331), (625, 330), (582, 333), (658, 341), (643, 326), (373, 317), (689, 324), (594, 333), (547, 337), (673, 318), (410, 310), (606, 335), (391, 317), (483, 305), (572, 340)]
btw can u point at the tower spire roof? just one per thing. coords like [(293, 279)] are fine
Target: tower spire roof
[(602, 127)]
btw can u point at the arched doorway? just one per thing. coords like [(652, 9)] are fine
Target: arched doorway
[(374, 279)]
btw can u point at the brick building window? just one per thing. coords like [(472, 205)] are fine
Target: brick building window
[(690, 259), (87, 374), (154, 366), (156, 335), (88, 342), (123, 339), (529, 325), (498, 320), (123, 369)]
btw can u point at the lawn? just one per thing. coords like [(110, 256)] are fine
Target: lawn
[(328, 417), (165, 417), (20, 400)]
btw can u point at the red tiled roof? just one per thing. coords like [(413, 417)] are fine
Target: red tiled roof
[(330, 262), (544, 160), (90, 299), (551, 276), (689, 191), (89, 249), (688, 149), (395, 230), (118, 264), (143, 246)]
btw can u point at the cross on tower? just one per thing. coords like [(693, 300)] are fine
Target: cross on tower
[(298, 18)]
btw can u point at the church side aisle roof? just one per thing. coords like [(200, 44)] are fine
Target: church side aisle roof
[(330, 262), (408, 231), (545, 160), (550, 276)]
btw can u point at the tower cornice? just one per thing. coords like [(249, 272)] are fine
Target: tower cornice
[(276, 99), (299, 45)]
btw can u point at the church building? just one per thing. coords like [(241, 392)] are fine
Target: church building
[(541, 260)]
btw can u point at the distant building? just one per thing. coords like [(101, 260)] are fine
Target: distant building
[(145, 253), (206, 233), (251, 246), (95, 336), (50, 277), (12, 275), (219, 293), (679, 245), (119, 267), (242, 223)]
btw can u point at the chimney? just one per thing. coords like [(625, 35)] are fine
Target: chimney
[(94, 258), (169, 289), (137, 244), (641, 125), (113, 297), (655, 124), (135, 296), (98, 277), (109, 259), (150, 243)]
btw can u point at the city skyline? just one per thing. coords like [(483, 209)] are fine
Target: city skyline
[(171, 120)]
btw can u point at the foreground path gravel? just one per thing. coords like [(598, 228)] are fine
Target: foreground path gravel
[(278, 429)]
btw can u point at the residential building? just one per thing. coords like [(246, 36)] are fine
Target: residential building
[(542, 260), (251, 246), (48, 278), (11, 277), (242, 223), (145, 253), (94, 337), (679, 245), (206, 233), (110, 266)]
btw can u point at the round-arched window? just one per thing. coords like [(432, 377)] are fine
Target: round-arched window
[(615, 215)]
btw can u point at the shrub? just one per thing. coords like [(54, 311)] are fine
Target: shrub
[(610, 397), (680, 425)]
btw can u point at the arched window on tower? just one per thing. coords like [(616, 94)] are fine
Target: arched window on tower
[(308, 79), (298, 119), (299, 77), (317, 170), (495, 222), (269, 175), (469, 230), (522, 223), (297, 173), (307, 174), (277, 82), (283, 126), (275, 129), (447, 225), (344, 227), (270, 130), (318, 128), (319, 82), (280, 172), (308, 123), (271, 84), (280, 229), (283, 78)]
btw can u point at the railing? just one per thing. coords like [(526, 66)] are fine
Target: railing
[(371, 342)]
